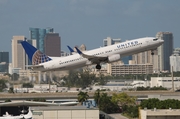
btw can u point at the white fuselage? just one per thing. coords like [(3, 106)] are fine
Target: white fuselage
[(11, 117), (123, 49)]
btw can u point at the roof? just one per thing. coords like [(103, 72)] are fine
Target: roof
[(63, 108), (27, 103)]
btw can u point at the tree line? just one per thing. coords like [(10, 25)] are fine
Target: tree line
[(160, 104), (122, 103), (117, 103), (149, 88), (83, 79)]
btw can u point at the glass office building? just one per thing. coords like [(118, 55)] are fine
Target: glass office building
[(38, 35), (4, 57), (165, 50), (4, 61)]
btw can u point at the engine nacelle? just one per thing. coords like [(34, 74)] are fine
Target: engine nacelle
[(114, 58), (88, 62)]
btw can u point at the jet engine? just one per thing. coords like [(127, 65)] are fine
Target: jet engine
[(114, 58)]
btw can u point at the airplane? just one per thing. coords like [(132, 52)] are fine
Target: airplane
[(42, 62), (28, 115), (71, 50), (21, 116), (8, 116)]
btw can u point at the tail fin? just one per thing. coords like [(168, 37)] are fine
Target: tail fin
[(78, 51), (70, 49), (34, 55)]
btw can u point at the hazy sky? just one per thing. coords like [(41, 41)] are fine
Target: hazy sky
[(89, 21)]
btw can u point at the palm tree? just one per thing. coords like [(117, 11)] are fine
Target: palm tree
[(2, 84), (11, 90), (82, 96), (97, 96)]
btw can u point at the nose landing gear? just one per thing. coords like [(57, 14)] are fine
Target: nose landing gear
[(152, 52), (98, 66)]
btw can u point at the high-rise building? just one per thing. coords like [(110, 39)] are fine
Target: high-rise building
[(4, 67), (4, 61), (4, 57), (143, 57), (175, 60), (52, 44), (165, 50), (18, 53), (39, 35)]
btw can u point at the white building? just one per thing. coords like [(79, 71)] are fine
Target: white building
[(140, 83), (65, 112), (38, 88), (175, 60), (118, 68), (159, 113), (114, 85), (165, 82), (63, 54)]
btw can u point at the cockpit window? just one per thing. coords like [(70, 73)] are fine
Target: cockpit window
[(155, 39)]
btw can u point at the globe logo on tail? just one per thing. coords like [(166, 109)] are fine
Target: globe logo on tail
[(39, 57)]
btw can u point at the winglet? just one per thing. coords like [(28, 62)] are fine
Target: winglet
[(34, 55), (78, 51), (71, 50)]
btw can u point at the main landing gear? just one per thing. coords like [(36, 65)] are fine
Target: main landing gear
[(152, 52), (98, 66)]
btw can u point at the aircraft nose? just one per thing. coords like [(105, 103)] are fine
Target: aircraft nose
[(161, 41)]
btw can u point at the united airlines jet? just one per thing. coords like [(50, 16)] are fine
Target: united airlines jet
[(21, 116), (108, 54)]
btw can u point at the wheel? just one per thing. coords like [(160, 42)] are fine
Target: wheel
[(98, 66)]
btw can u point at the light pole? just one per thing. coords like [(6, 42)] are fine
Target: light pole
[(172, 80)]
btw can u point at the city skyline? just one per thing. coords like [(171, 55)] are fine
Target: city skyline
[(89, 22)]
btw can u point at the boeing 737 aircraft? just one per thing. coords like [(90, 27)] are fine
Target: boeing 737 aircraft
[(108, 54), (21, 116)]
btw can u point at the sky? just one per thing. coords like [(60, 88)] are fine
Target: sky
[(89, 21)]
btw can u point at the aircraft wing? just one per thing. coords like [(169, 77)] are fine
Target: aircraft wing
[(92, 58), (35, 67)]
